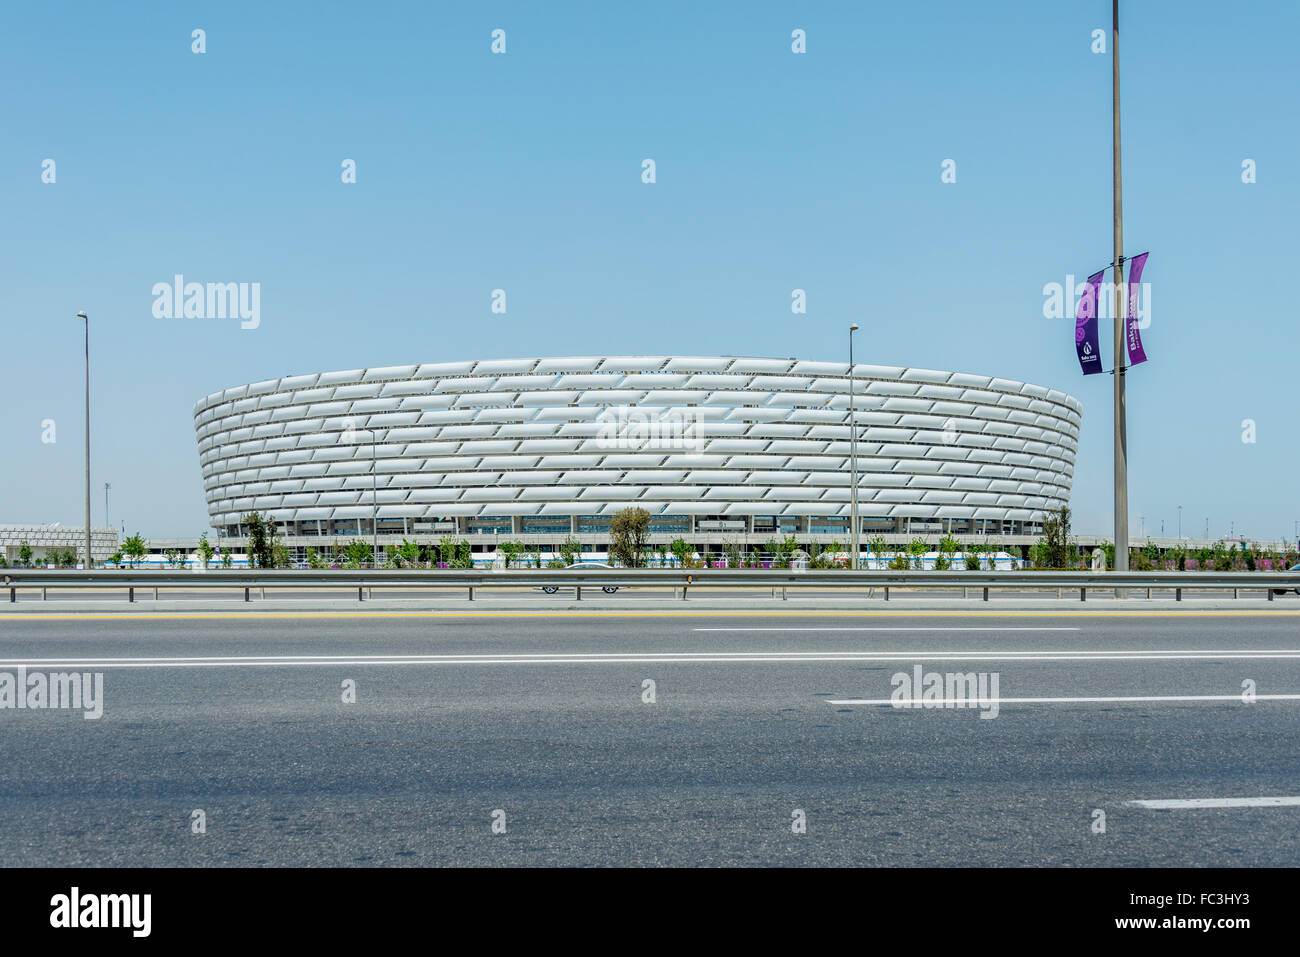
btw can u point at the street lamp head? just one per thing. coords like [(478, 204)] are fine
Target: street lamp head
[(82, 315), (853, 328)]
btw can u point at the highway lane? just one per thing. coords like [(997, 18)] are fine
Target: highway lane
[(546, 720)]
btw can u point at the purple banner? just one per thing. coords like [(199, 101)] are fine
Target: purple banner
[(1085, 327), (1136, 353)]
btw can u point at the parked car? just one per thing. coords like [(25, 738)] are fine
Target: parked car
[(608, 589), (1282, 591)]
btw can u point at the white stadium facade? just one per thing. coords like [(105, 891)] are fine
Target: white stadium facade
[(717, 449)]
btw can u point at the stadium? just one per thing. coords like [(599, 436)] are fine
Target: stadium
[(719, 450)]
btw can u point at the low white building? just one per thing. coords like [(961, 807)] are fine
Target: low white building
[(42, 539)]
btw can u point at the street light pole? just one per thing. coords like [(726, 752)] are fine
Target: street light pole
[(1121, 424), (89, 561), (1180, 522), (853, 461), (107, 523)]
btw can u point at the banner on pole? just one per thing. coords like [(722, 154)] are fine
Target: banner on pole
[(1136, 353), (1086, 342)]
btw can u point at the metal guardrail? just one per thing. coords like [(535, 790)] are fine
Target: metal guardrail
[(364, 581)]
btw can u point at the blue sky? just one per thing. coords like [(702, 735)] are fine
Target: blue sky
[(522, 172)]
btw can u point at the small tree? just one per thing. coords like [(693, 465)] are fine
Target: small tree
[(971, 555), (1056, 547), (314, 561), (227, 559), (171, 555), (406, 554), (356, 552), (509, 551), (205, 549), (681, 550), (916, 550), (135, 546), (570, 550), (24, 554), (948, 547), (260, 533), (876, 547), (788, 550), (628, 531)]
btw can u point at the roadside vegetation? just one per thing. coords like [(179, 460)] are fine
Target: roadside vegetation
[(630, 530)]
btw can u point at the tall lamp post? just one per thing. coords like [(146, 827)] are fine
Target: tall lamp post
[(1121, 412), (90, 563), (853, 461)]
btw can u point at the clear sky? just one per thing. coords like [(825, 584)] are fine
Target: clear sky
[(522, 171)]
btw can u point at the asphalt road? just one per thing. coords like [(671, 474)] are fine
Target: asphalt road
[(544, 718)]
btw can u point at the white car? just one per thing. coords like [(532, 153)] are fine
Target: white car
[(608, 589)]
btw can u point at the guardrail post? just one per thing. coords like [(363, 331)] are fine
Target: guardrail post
[(1269, 592), (886, 593), (43, 590), (360, 593), (130, 594), (986, 592), (471, 592), (246, 591), (13, 595), (1083, 593), (1178, 594), (577, 590), (1234, 593)]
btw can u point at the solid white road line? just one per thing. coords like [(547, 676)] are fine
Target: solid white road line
[(1176, 804), (917, 703), (898, 628)]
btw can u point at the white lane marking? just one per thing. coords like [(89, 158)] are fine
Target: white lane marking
[(897, 628), (1175, 804), (917, 703), (685, 657)]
